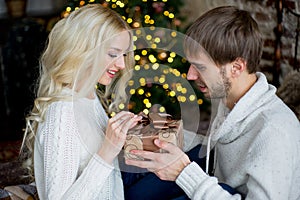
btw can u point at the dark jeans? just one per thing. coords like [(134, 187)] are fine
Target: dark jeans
[(148, 186)]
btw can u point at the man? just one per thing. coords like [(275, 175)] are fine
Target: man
[(255, 136)]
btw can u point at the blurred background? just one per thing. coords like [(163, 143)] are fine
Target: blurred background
[(25, 24)]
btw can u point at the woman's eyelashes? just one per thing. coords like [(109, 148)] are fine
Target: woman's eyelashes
[(112, 55), (115, 55)]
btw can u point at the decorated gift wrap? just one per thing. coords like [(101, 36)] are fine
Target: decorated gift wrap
[(151, 127)]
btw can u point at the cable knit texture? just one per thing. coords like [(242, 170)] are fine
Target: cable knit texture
[(257, 148), (66, 163)]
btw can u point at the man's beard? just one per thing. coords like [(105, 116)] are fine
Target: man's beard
[(221, 88)]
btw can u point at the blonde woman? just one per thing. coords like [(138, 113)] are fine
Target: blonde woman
[(73, 143)]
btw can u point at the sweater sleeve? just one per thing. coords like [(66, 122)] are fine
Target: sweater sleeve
[(60, 150), (268, 168), (198, 185)]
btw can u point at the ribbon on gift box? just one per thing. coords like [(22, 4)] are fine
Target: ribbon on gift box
[(153, 126)]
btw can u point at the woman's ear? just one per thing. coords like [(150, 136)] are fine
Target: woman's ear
[(238, 66)]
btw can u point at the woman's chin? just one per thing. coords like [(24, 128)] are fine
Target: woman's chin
[(105, 81)]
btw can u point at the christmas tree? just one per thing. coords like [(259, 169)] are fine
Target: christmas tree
[(159, 82)]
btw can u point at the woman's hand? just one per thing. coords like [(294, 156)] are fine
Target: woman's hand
[(115, 135), (167, 166)]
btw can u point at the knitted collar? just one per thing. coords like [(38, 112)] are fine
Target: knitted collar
[(258, 95)]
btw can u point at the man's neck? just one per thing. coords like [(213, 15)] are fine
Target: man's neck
[(240, 87)]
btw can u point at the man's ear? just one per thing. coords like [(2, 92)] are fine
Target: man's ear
[(238, 66)]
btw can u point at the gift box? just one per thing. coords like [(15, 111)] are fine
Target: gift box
[(151, 127)]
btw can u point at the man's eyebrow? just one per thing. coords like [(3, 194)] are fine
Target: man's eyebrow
[(197, 64)]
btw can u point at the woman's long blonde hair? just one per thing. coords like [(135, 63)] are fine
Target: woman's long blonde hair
[(75, 49)]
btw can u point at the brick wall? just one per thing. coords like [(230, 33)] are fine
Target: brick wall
[(265, 13)]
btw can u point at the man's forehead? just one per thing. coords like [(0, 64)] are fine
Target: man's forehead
[(199, 58)]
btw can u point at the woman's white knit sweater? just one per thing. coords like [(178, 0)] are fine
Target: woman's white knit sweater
[(257, 149), (66, 165)]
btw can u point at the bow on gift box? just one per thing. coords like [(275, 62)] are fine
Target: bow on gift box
[(153, 126)]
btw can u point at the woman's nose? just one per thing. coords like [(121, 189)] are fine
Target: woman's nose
[(192, 73), (120, 62)]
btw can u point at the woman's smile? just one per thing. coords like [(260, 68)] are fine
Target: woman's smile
[(111, 73)]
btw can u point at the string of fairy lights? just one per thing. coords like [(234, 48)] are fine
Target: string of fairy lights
[(151, 76)]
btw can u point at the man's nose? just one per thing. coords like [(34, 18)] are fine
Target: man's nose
[(193, 74)]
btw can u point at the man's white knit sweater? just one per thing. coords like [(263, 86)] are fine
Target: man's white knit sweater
[(65, 161), (257, 148)]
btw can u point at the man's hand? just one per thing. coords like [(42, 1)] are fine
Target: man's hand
[(167, 166)]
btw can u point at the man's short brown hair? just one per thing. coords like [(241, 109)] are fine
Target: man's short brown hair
[(226, 33)]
